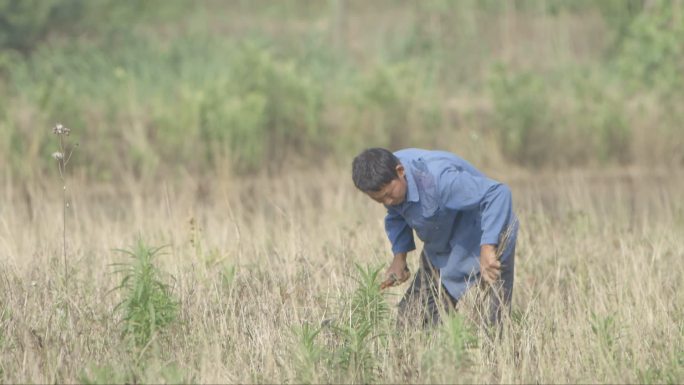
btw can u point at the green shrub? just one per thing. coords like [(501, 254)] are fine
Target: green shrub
[(308, 354), (267, 107), (577, 119), (524, 121), (601, 122), (652, 56), (398, 106), (356, 337), (148, 305), (25, 24)]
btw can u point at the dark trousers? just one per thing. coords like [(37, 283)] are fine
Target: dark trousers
[(427, 300)]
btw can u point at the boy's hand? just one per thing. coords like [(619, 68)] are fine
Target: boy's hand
[(490, 267), (397, 273)]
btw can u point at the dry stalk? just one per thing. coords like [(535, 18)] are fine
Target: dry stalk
[(62, 157), (489, 292)]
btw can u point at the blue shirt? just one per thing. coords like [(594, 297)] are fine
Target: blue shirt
[(454, 209)]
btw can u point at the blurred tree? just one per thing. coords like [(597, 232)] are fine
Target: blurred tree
[(24, 23), (652, 56)]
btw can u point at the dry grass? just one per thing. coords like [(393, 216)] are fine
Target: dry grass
[(596, 298)]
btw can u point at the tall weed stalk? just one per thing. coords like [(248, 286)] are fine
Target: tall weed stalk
[(148, 305), (62, 156)]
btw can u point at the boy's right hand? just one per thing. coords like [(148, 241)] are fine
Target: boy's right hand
[(397, 273)]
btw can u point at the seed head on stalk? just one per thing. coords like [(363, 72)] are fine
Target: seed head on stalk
[(59, 129), (62, 157)]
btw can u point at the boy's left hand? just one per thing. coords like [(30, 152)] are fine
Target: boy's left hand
[(490, 267), (397, 273)]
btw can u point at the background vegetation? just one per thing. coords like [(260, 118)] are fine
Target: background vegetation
[(211, 232), (160, 86)]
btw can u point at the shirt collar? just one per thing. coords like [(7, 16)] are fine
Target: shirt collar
[(412, 190)]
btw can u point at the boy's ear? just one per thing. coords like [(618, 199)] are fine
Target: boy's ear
[(400, 170)]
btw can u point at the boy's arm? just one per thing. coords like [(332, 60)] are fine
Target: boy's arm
[(398, 232), (400, 235)]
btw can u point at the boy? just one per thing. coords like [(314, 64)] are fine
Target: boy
[(460, 215)]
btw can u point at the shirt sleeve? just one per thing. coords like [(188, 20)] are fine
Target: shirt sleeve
[(460, 190), (399, 232)]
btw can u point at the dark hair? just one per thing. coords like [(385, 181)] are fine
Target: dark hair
[(373, 169)]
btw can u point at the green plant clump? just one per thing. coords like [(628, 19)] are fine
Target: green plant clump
[(148, 305), (357, 336)]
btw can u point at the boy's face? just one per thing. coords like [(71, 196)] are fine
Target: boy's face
[(394, 192)]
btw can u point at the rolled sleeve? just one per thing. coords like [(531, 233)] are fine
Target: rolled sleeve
[(399, 233), (496, 209)]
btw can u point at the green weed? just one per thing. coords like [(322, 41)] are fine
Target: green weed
[(148, 305), (668, 372), (169, 373), (460, 337), (105, 375), (605, 329), (360, 333), (368, 305), (356, 337), (228, 276), (308, 354)]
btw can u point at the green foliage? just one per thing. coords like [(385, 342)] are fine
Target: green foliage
[(459, 336), (357, 336), (654, 375), (160, 86), (617, 14), (652, 56), (668, 372), (523, 120), (368, 305), (601, 120), (361, 327), (266, 106), (228, 276), (24, 24), (105, 375), (169, 373), (308, 354), (452, 345), (575, 119), (395, 99), (605, 329), (148, 305)]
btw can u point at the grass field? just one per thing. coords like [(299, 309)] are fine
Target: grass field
[(263, 285), (179, 260)]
